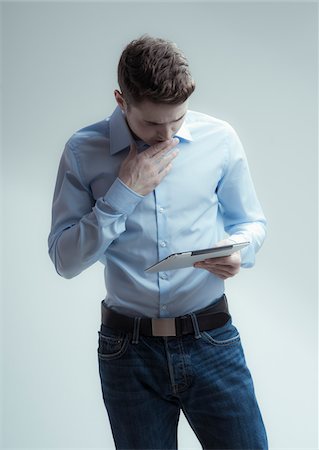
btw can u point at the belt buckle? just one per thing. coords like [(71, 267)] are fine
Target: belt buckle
[(164, 327)]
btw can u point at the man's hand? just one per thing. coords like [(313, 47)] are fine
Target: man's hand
[(142, 172), (223, 267)]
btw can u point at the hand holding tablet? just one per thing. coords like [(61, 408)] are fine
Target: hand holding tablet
[(187, 259)]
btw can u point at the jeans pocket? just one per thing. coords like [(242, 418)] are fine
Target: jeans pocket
[(111, 345), (224, 336)]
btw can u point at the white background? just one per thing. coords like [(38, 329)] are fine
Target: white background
[(256, 67)]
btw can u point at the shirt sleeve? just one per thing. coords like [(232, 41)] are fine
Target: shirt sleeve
[(242, 214), (82, 229)]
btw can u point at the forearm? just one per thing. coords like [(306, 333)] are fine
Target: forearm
[(255, 233), (83, 244), (75, 246)]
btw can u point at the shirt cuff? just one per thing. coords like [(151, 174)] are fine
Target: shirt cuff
[(247, 254), (121, 198)]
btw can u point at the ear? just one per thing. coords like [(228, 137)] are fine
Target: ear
[(120, 100)]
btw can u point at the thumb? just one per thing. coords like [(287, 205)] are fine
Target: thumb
[(133, 150)]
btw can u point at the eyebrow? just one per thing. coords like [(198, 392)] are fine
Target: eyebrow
[(156, 123)]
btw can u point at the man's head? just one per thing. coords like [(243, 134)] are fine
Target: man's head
[(155, 83)]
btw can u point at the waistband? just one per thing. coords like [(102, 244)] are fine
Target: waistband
[(203, 320)]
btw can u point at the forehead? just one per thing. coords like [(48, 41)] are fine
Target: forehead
[(160, 113)]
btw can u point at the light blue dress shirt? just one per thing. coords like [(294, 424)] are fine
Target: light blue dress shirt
[(96, 217)]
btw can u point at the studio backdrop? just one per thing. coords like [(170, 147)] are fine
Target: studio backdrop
[(255, 66)]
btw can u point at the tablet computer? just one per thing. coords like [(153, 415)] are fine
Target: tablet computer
[(187, 259)]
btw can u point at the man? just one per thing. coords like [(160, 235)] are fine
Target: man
[(152, 179)]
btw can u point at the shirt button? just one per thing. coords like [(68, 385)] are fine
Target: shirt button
[(163, 244), (164, 307), (164, 276), (161, 210)]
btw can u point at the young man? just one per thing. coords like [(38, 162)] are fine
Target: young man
[(153, 179)]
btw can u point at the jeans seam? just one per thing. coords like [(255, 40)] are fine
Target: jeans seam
[(223, 343), (117, 354)]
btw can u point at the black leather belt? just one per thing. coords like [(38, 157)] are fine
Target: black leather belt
[(209, 318)]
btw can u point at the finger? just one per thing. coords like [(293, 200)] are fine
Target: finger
[(209, 265), (166, 160), (230, 271), (169, 156), (212, 262), (224, 260), (162, 147), (165, 153), (219, 273), (223, 275), (133, 150), (164, 172)]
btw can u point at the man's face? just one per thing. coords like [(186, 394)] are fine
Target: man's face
[(153, 122)]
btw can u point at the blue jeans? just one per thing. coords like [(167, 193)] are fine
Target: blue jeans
[(146, 384)]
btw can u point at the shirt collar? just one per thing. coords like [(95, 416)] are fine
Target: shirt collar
[(121, 136)]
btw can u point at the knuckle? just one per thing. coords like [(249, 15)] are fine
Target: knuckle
[(147, 165)]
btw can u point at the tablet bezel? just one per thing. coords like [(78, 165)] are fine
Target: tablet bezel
[(187, 259)]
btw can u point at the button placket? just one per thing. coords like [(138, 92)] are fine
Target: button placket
[(163, 249)]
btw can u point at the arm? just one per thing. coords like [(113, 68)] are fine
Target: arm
[(81, 231), (242, 214)]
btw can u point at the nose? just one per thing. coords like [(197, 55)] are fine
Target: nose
[(164, 133)]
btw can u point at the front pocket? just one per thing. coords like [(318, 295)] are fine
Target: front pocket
[(222, 337), (111, 347), (226, 342)]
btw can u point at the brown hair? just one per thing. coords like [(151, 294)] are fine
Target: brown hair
[(154, 69)]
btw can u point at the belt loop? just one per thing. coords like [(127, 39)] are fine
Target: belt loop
[(195, 326), (136, 331)]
